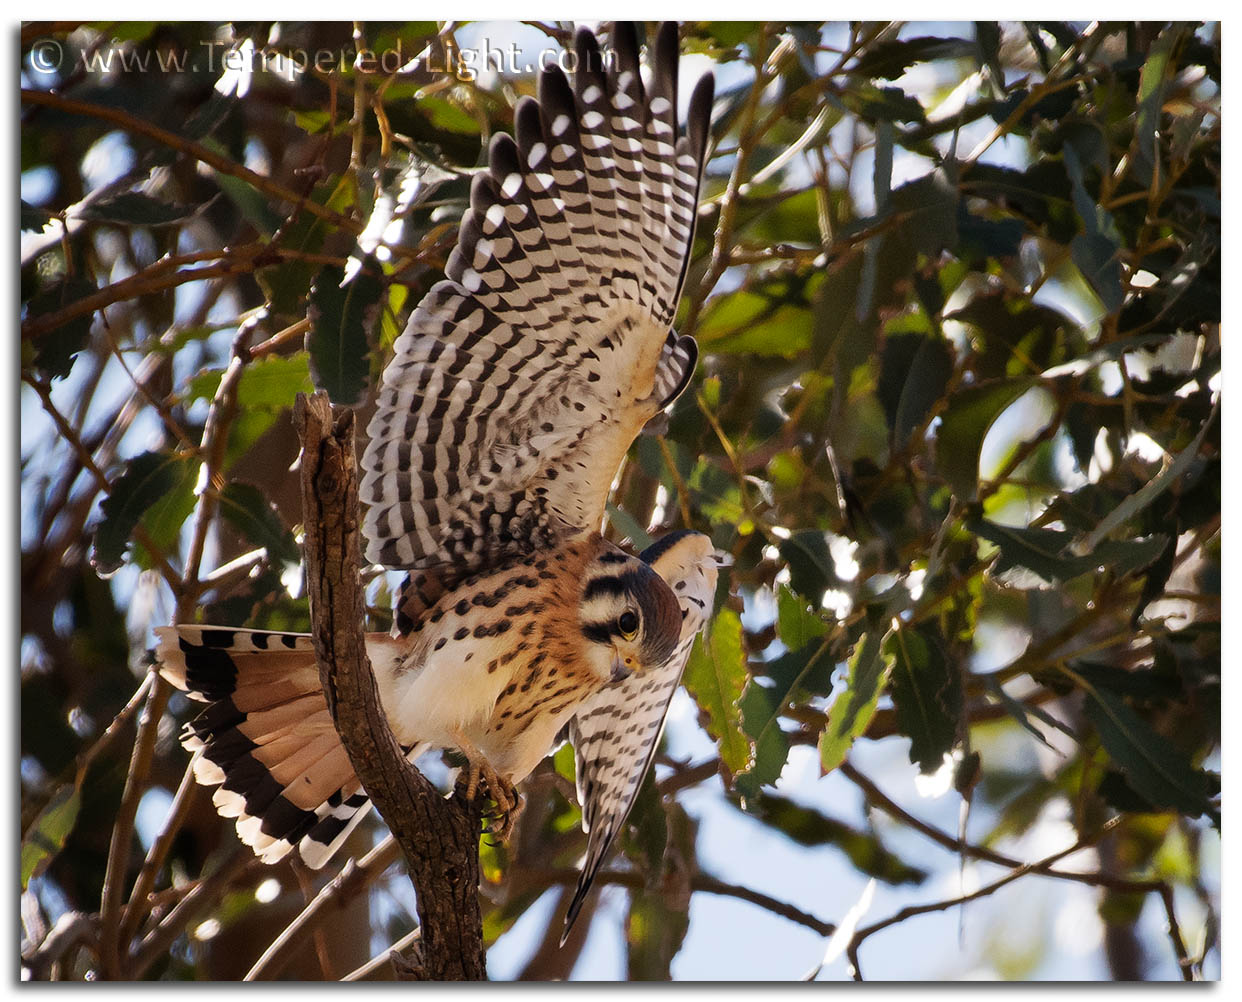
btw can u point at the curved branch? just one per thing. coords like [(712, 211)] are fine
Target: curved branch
[(439, 837), (354, 878), (698, 882)]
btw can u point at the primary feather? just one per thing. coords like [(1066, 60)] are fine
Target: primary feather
[(523, 378)]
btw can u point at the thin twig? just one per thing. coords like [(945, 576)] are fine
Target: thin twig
[(198, 151), (87, 462), (354, 879), (215, 438), (910, 911), (110, 957), (139, 896), (384, 956), (203, 894), (142, 284), (1126, 885), (703, 882)]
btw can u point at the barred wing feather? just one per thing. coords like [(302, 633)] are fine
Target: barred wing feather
[(616, 732), (523, 377)]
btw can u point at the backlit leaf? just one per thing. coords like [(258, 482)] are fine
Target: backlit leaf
[(969, 414), (248, 510), (853, 709), (342, 322), (1152, 766), (146, 479), (47, 833), (714, 676), (927, 695)]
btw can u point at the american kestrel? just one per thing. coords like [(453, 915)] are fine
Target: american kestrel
[(516, 389)]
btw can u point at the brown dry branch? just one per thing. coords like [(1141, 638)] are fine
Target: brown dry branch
[(115, 959), (699, 882), (354, 878), (910, 911), (198, 151), (438, 836)]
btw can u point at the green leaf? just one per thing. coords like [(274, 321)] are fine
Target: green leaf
[(1153, 768), (1099, 260), (1047, 553), (247, 509), (769, 319), (342, 321), (1011, 335), (927, 695), (730, 33), (1151, 90), (133, 208), (1096, 251), (646, 836), (807, 826), (715, 675), (762, 706), (969, 414), (254, 206), (882, 104), (274, 381), (1124, 557), (57, 348), (853, 709), (48, 831), (145, 480), (812, 570), (797, 623), (1022, 712), (624, 523), (914, 371), (891, 59), (164, 519), (655, 929), (286, 283), (445, 115), (1042, 551)]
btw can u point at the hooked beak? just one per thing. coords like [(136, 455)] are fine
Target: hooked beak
[(619, 671)]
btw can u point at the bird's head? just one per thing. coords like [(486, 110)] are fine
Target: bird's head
[(629, 616)]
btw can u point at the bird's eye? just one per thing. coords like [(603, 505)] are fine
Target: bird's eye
[(627, 623)]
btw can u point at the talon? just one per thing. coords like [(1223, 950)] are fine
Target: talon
[(482, 776), (507, 821)]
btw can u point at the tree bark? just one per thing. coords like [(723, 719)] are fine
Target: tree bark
[(438, 836)]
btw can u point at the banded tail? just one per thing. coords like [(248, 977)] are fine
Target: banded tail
[(266, 738)]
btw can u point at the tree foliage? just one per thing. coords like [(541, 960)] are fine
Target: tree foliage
[(957, 294)]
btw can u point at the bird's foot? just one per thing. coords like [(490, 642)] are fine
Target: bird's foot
[(482, 777), (504, 819)]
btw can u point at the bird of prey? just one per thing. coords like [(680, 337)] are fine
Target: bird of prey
[(515, 391)]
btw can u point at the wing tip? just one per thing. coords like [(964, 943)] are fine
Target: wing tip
[(698, 118)]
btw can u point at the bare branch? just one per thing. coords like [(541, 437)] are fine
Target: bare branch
[(439, 837), (699, 882), (354, 879), (386, 956), (910, 911)]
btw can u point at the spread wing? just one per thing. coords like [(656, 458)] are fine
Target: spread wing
[(523, 377), (616, 732)]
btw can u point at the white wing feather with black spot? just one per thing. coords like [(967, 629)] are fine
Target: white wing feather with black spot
[(521, 379), (616, 732)]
